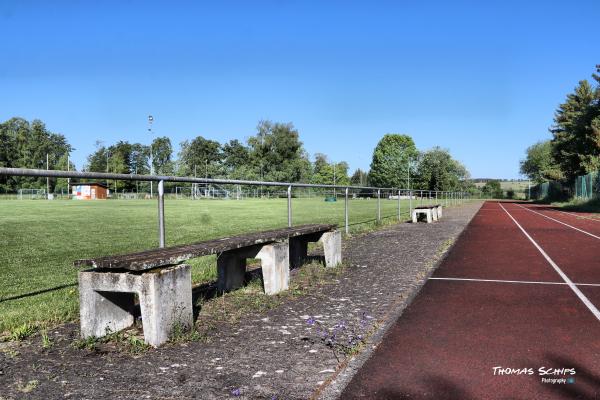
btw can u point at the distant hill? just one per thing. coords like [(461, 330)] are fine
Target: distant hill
[(518, 185), (484, 180)]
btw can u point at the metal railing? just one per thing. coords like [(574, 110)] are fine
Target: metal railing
[(446, 197)]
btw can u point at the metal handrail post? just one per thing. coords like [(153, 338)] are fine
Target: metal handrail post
[(161, 213), (378, 205), (399, 218), (289, 201), (346, 211)]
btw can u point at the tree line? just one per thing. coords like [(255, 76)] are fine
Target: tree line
[(273, 153), (574, 148)]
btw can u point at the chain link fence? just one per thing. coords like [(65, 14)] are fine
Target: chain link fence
[(588, 186), (585, 187)]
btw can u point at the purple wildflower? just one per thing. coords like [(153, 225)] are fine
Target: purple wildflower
[(236, 392)]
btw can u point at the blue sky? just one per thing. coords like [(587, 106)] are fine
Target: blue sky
[(480, 78)]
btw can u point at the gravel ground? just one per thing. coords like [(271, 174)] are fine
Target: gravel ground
[(307, 347)]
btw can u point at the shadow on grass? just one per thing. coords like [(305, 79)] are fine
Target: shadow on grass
[(37, 292)]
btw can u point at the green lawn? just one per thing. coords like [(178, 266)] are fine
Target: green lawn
[(591, 206), (40, 239)]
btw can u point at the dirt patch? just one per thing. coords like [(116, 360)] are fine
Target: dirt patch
[(288, 347)]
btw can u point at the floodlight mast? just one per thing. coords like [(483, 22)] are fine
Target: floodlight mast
[(150, 121)]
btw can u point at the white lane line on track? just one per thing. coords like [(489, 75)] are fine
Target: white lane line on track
[(579, 216), (560, 222), (507, 281), (565, 278)]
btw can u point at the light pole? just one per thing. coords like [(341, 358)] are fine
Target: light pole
[(207, 188), (194, 185), (68, 179), (409, 192), (150, 121)]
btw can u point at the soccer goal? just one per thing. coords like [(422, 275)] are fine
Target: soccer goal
[(32, 194), (183, 192)]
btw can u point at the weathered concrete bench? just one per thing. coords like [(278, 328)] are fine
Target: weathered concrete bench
[(164, 285), (432, 213)]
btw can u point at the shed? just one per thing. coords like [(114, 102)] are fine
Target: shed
[(89, 191)]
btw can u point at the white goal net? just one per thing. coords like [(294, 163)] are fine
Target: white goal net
[(32, 194)]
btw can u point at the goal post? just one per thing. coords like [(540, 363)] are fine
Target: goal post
[(32, 194)]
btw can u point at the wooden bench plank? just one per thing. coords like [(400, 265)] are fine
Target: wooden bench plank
[(154, 258), (426, 207)]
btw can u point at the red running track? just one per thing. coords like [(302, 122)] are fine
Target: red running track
[(578, 220), (515, 311)]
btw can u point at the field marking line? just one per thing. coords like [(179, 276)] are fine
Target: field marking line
[(578, 216), (560, 222), (508, 281), (568, 281)]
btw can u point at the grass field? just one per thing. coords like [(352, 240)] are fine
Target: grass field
[(588, 206), (40, 239), (519, 187)]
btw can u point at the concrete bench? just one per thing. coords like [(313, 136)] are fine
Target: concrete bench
[(164, 285), (432, 213)]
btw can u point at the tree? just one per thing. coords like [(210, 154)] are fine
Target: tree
[(98, 160), (391, 157), (201, 156), (236, 160), (326, 173), (29, 145), (437, 170), (492, 189), (360, 178), (140, 159), (576, 131), (539, 164), (162, 151), (277, 154), (120, 158), (62, 183)]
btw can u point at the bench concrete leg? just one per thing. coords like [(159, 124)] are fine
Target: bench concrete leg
[(415, 219), (231, 270), (332, 247), (275, 264), (434, 214), (102, 312), (429, 218), (439, 212), (166, 303), (298, 252), (107, 301)]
